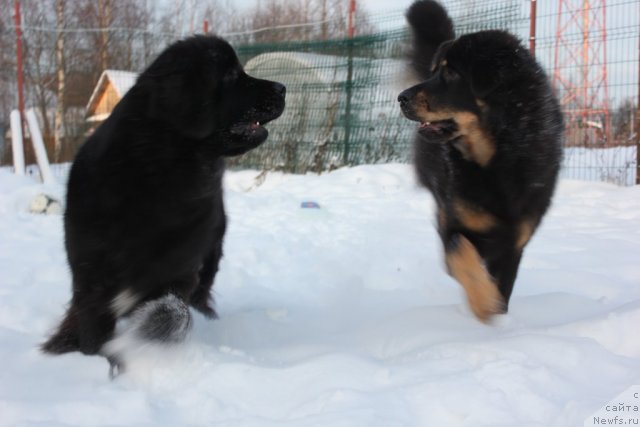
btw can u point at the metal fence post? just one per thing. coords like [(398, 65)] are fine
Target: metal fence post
[(532, 28), (347, 126), (638, 121)]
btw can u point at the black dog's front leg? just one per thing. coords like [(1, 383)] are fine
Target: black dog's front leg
[(96, 325), (201, 298), (116, 367)]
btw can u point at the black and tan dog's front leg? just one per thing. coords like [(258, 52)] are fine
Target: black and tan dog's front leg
[(467, 266), (505, 261), (505, 269)]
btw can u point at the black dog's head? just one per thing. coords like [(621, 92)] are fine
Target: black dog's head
[(469, 76), (197, 87)]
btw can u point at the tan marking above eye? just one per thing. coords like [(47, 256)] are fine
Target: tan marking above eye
[(472, 217), (443, 63)]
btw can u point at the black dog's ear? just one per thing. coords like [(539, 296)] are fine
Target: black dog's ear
[(164, 97), (181, 103)]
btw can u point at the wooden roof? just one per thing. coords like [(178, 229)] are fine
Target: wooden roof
[(111, 87)]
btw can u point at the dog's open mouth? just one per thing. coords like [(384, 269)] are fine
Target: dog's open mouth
[(247, 128), (253, 125), (250, 127), (437, 128)]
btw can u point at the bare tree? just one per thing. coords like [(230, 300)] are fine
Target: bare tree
[(39, 60), (60, 108), (7, 61), (622, 122), (300, 20), (104, 15)]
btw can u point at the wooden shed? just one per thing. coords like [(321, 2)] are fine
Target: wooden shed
[(111, 87)]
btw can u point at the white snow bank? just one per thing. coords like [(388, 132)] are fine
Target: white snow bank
[(342, 316)]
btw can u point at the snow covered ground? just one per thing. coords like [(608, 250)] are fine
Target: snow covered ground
[(342, 316)]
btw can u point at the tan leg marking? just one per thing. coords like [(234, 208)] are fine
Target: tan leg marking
[(472, 217), (468, 269), (525, 231)]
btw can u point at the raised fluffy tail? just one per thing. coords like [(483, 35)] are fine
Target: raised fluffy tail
[(430, 25)]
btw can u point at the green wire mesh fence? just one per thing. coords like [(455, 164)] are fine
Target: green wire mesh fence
[(341, 96)]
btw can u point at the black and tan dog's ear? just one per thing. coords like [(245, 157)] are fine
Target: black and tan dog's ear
[(481, 72), (487, 73), (484, 79)]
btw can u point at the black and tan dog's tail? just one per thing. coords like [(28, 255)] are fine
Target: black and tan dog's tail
[(430, 25)]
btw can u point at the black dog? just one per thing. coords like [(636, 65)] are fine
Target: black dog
[(488, 148), (144, 219)]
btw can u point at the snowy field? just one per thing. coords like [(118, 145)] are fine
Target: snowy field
[(342, 316)]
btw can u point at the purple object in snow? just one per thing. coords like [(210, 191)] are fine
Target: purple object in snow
[(309, 205)]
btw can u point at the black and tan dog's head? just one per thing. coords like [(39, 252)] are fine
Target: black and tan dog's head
[(469, 76), (198, 88)]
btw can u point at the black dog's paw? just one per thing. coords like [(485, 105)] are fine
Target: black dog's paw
[(201, 301), (116, 367), (205, 309)]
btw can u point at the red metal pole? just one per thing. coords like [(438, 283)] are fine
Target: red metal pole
[(20, 67), (532, 28), (638, 121), (206, 26), (352, 11)]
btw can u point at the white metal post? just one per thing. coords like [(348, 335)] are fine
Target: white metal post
[(17, 146), (38, 146)]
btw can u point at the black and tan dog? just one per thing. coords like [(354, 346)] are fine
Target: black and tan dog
[(488, 148), (145, 221)]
